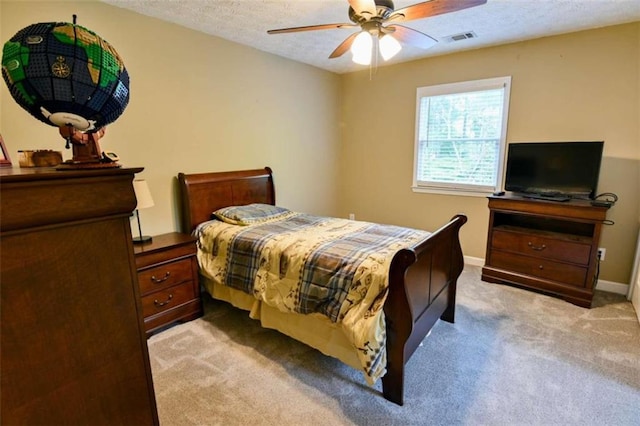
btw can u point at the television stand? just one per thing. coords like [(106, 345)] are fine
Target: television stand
[(544, 246)]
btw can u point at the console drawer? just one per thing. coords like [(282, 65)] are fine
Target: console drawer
[(541, 246), (539, 267)]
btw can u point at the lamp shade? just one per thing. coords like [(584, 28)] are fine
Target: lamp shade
[(389, 46), (361, 49), (143, 195)]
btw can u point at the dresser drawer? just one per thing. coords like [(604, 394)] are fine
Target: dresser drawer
[(168, 298), (164, 276), (541, 246), (539, 267)]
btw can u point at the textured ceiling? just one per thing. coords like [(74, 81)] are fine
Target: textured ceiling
[(496, 22)]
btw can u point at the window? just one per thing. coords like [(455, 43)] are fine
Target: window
[(460, 137)]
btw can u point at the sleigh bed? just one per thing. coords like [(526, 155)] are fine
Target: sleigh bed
[(421, 278)]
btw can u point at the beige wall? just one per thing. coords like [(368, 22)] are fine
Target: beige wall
[(198, 103), (580, 86), (342, 144)]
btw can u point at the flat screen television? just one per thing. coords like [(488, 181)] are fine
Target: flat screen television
[(554, 170)]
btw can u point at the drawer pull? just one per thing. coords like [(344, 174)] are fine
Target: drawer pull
[(159, 280), (537, 248), (160, 304)]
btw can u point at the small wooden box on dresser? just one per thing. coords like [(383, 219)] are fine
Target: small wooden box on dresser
[(548, 246), (168, 280)]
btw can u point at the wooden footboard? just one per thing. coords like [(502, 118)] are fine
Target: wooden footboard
[(422, 289), (422, 280)]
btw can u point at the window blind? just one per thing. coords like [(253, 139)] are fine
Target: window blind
[(460, 137)]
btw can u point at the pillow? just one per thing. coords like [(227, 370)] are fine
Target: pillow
[(251, 214)]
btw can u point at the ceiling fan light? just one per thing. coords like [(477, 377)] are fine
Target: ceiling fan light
[(361, 48), (389, 46), (362, 59)]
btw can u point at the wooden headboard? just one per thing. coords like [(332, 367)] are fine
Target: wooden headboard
[(203, 193)]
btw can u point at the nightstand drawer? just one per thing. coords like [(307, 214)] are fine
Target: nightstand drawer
[(541, 246), (166, 275), (554, 271), (167, 299)]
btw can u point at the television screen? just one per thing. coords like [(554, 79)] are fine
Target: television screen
[(554, 169)]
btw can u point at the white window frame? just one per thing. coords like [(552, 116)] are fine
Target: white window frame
[(450, 89)]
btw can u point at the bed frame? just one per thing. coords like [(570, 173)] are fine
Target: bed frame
[(422, 281)]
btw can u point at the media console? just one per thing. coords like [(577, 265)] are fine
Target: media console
[(545, 246)]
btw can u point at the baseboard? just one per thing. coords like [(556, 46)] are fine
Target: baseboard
[(473, 261), (610, 286)]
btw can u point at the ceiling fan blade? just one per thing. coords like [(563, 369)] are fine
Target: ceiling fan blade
[(312, 28), (432, 8), (364, 6), (412, 37), (344, 46)]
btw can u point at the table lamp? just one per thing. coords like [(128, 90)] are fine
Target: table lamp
[(144, 201)]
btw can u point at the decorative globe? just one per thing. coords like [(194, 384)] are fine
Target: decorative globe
[(64, 74)]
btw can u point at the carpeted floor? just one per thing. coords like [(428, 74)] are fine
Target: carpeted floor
[(513, 357)]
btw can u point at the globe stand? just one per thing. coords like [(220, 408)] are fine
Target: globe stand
[(86, 150)]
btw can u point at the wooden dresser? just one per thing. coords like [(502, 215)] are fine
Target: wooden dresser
[(547, 246), (72, 339), (168, 278)]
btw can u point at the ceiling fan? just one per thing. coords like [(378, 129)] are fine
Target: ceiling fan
[(372, 17)]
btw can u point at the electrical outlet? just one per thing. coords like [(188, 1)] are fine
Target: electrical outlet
[(601, 253), (352, 216)]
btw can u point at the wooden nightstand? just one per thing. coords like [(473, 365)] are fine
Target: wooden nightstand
[(168, 280)]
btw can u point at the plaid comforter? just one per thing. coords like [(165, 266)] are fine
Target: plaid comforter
[(309, 264)]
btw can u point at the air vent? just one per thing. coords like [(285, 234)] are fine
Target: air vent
[(461, 36)]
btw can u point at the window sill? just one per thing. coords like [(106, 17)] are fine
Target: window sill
[(443, 191)]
